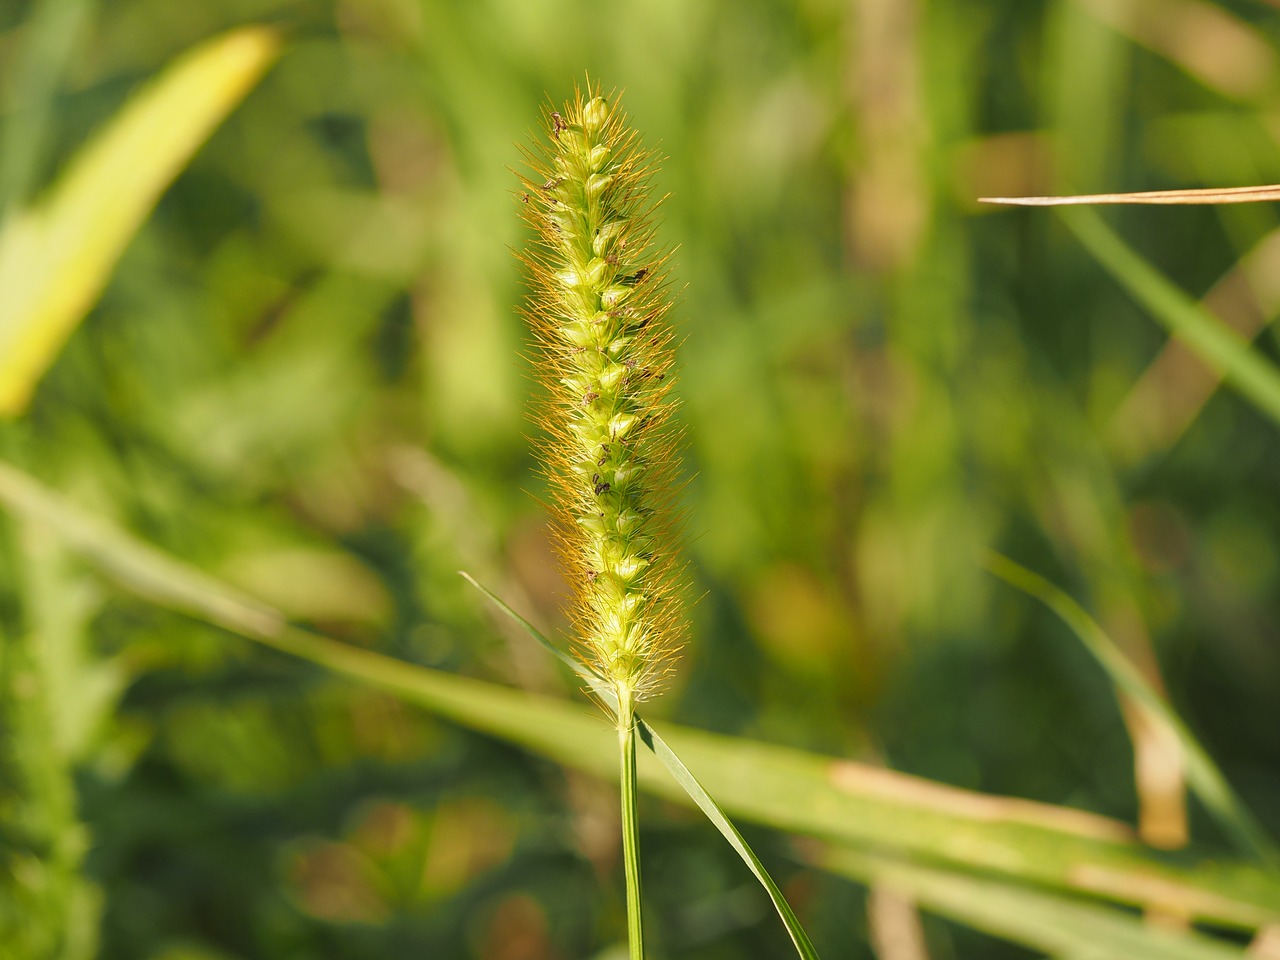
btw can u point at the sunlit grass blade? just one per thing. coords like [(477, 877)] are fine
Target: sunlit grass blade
[(786, 789), (1216, 344), (1058, 926), (1199, 197), (56, 256), (689, 783), (682, 776), (1203, 774)]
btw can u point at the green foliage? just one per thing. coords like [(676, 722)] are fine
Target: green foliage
[(293, 373), (56, 257), (786, 789), (1220, 346), (1203, 774)]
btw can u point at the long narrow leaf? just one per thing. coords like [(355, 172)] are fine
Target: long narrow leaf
[(658, 747), (717, 816), (1213, 341), (593, 682), (1060, 926), (55, 258), (785, 789), (1203, 774), (1210, 196)]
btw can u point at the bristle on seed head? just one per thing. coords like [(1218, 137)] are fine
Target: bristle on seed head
[(598, 305)]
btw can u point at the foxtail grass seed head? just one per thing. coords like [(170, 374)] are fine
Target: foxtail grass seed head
[(598, 304)]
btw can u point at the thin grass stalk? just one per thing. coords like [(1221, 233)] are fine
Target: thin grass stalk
[(631, 833)]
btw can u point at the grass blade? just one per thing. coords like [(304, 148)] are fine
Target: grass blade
[(142, 569), (786, 789), (597, 686), (1059, 926), (689, 783), (682, 776), (55, 257), (1212, 340), (1197, 197), (1203, 774)]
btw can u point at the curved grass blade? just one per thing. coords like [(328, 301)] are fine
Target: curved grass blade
[(56, 256), (682, 776), (1213, 341), (789, 790), (1203, 774), (598, 687), (717, 816), (1059, 926)]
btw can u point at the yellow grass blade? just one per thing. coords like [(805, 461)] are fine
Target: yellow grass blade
[(56, 256)]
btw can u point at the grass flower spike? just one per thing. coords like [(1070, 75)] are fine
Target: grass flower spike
[(598, 302), (598, 309)]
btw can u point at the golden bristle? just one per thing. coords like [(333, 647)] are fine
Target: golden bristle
[(597, 307)]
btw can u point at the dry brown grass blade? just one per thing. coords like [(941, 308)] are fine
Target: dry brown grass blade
[(1210, 195), (894, 922)]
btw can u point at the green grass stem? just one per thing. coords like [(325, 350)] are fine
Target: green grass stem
[(631, 834)]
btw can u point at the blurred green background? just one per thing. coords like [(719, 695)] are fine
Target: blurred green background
[(307, 377)]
